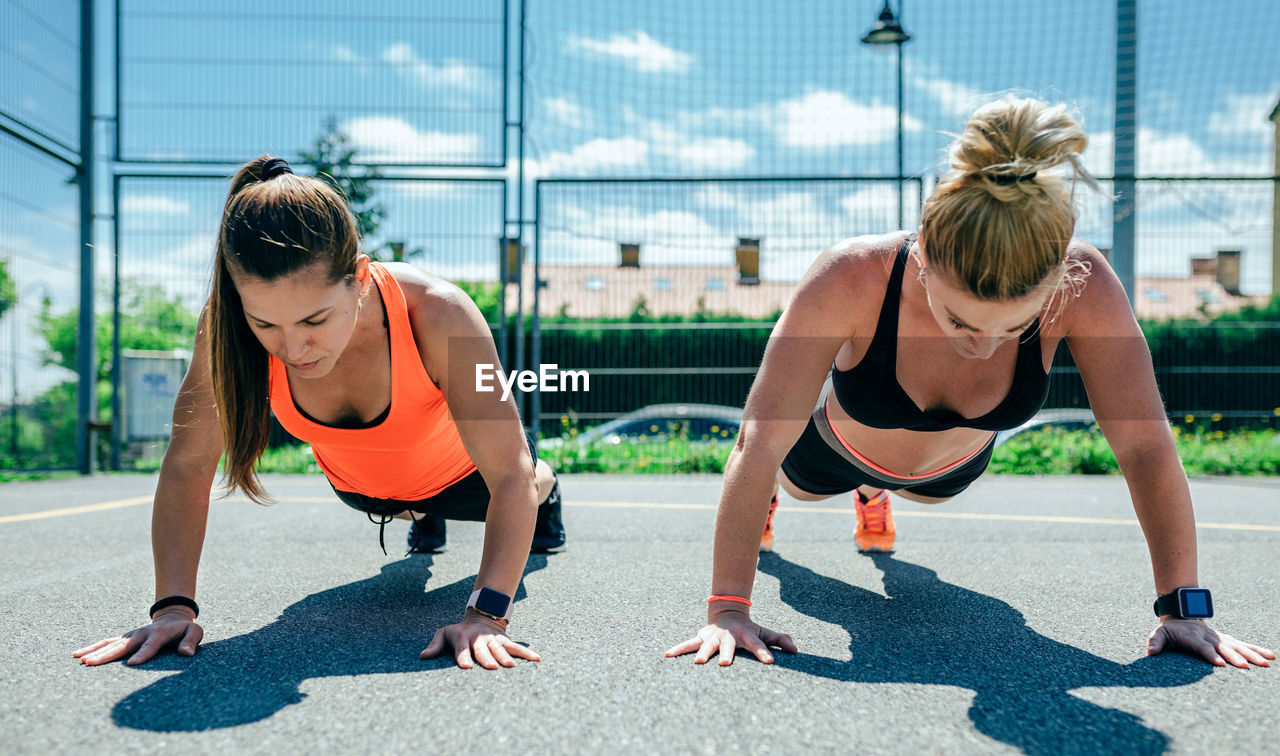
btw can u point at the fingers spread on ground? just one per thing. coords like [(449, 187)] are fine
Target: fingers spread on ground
[(524, 652), (705, 651), (690, 645), (1210, 653), (483, 656), (761, 651), (435, 647), (1233, 657), (107, 653), (89, 649), (500, 653), (781, 640), (727, 648), (1255, 657), (463, 658)]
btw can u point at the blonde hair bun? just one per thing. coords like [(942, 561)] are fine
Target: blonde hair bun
[(1010, 144), (1000, 221)]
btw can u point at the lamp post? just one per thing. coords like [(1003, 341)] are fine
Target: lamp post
[(888, 30)]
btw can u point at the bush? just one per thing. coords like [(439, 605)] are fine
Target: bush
[(1054, 451)]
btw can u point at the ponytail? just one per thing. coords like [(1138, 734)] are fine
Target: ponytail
[(274, 223)]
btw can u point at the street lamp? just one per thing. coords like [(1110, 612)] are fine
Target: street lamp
[(888, 31)]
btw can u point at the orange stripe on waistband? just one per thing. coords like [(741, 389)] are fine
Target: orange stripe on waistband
[(889, 473)]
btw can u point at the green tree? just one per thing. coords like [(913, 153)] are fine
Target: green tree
[(8, 292), (333, 157), (485, 295), (149, 319)]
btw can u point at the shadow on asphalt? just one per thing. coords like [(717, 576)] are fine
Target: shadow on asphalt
[(371, 626), (934, 633)]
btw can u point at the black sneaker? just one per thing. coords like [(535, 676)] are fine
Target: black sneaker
[(548, 533), (426, 535)]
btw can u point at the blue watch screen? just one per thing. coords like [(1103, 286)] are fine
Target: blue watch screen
[(1195, 604), (492, 602)]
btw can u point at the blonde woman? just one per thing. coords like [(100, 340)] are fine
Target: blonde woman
[(916, 348)]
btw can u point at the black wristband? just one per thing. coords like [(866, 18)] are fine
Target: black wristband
[(174, 601)]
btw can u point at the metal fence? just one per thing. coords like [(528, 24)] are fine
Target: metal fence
[(714, 143), (40, 230)]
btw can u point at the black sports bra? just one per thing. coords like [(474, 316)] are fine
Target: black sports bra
[(870, 393)]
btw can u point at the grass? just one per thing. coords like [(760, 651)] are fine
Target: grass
[(1051, 451), (1054, 451)]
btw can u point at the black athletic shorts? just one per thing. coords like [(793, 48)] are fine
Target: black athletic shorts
[(468, 499), (814, 466)]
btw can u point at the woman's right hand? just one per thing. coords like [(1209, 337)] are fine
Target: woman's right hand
[(728, 630), (174, 625)]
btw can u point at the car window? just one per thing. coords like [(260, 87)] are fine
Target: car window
[(712, 429), (653, 427)]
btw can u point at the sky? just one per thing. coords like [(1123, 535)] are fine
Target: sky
[(622, 90)]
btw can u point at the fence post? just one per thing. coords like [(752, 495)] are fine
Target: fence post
[(1124, 218), (86, 347)]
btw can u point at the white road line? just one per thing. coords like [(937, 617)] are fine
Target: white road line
[(137, 500)]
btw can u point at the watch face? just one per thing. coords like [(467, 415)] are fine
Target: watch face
[(1195, 603), (493, 602)]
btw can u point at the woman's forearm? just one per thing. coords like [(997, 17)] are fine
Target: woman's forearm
[(740, 518), (178, 520), (508, 531), (1162, 502)]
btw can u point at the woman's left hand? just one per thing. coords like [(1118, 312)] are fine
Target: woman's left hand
[(1198, 639), (479, 637)]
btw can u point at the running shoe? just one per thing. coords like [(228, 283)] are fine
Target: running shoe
[(766, 540), (875, 531), (548, 531), (427, 535)]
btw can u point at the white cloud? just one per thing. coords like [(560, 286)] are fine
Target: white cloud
[(567, 112), (823, 119), (595, 155), (1244, 115), (876, 207), (451, 73), (345, 54), (383, 139), (715, 153), (955, 98), (639, 50), (669, 237), (150, 204), (1162, 153)]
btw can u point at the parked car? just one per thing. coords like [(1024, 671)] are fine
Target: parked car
[(1067, 419), (659, 422)]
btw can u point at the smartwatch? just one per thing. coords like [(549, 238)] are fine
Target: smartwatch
[(1186, 603), (487, 601)]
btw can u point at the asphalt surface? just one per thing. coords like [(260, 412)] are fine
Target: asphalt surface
[(1011, 619)]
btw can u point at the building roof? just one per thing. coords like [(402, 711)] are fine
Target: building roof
[(609, 291)]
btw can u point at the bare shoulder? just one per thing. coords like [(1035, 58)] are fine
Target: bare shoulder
[(1098, 305), (860, 258), (435, 301), (846, 284)]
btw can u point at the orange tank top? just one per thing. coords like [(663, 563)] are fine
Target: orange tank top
[(415, 452)]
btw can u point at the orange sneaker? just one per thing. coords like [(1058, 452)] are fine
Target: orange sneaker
[(875, 531), (766, 540)]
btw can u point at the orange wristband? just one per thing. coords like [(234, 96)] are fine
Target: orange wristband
[(736, 599)]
